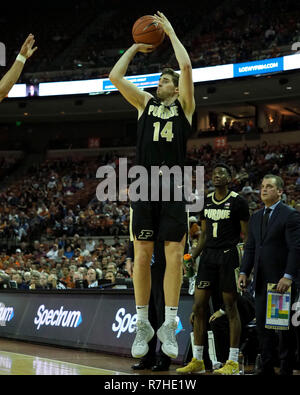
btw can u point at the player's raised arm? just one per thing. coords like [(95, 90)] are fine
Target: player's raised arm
[(186, 86), (129, 91), (13, 74)]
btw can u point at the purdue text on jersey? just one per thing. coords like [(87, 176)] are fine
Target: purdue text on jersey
[(223, 218)]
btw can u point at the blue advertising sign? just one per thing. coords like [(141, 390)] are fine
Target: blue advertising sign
[(141, 81), (258, 67)]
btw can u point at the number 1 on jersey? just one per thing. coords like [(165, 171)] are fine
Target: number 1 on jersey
[(215, 229), (166, 133)]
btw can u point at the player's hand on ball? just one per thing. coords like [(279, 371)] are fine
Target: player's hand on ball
[(27, 48), (145, 48), (163, 21)]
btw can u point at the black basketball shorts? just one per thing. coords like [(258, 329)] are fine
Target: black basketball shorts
[(217, 269), (165, 221)]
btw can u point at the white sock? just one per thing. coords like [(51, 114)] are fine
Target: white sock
[(198, 352), (142, 313), (234, 354), (170, 314)]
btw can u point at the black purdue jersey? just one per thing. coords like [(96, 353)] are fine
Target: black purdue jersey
[(223, 218), (162, 133)]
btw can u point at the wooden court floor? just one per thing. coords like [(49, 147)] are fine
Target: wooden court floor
[(24, 358)]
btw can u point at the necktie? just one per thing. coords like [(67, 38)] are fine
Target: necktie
[(265, 222)]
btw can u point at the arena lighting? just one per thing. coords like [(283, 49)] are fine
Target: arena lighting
[(202, 74), (18, 90)]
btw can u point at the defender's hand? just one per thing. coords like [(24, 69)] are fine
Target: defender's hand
[(27, 49)]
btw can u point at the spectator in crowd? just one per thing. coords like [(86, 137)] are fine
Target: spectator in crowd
[(66, 279), (27, 279), (109, 275), (18, 278), (44, 280), (53, 253), (35, 280), (54, 283), (4, 280), (92, 278)]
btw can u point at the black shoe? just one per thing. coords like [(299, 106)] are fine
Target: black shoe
[(161, 366), (142, 365), (208, 365)]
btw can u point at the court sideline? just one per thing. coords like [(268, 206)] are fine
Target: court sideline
[(24, 358)]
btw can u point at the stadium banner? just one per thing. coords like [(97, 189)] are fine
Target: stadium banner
[(96, 320), (202, 74), (213, 73), (291, 62), (18, 90), (70, 87), (141, 81), (258, 67)]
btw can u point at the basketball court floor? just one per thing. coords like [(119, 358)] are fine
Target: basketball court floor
[(24, 358)]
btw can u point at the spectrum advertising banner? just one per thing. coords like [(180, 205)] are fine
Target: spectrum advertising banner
[(92, 320)]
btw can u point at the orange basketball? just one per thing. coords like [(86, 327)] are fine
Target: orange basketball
[(147, 31)]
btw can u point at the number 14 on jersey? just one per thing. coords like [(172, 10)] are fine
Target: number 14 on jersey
[(165, 133)]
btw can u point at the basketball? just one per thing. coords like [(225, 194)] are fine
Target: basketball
[(146, 31)]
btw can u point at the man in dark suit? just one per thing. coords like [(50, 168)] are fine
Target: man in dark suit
[(273, 253)]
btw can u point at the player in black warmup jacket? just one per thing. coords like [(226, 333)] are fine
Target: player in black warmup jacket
[(164, 124), (224, 216)]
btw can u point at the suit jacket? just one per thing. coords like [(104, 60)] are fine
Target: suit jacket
[(279, 252)]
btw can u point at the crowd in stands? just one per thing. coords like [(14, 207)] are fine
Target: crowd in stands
[(8, 165), (84, 39), (58, 197), (250, 164), (56, 221), (65, 263), (238, 32), (230, 128)]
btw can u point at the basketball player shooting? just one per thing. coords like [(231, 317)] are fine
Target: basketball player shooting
[(13, 74), (164, 124)]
